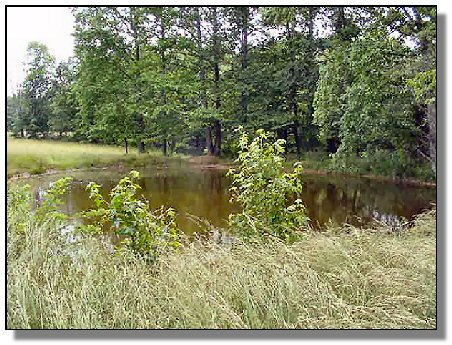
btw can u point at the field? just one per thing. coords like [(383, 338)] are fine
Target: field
[(38, 156)]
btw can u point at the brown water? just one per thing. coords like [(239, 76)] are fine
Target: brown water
[(204, 193)]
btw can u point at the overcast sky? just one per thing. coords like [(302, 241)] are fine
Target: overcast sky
[(49, 25)]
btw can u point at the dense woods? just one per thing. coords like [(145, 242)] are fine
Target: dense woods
[(357, 84)]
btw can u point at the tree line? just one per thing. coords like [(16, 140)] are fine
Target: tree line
[(349, 81)]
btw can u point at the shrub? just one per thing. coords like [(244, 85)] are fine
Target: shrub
[(147, 232), (395, 164), (264, 190)]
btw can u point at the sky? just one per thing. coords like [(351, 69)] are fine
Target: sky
[(52, 26)]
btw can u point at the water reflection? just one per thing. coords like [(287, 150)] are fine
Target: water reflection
[(358, 201), (204, 193)]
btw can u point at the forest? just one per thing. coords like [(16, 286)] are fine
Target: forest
[(352, 86)]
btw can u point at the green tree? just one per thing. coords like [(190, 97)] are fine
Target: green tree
[(265, 191), (108, 42), (295, 78), (14, 114), (63, 101), (36, 89)]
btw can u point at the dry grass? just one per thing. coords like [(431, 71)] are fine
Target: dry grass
[(362, 279), (39, 156)]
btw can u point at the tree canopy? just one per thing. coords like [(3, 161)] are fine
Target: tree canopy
[(355, 82)]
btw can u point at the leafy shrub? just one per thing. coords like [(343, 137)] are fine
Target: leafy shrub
[(26, 220), (147, 232), (396, 164), (264, 190), (18, 203), (50, 202)]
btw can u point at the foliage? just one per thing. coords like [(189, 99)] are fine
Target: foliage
[(334, 78), (353, 80), (15, 118), (264, 190), (149, 233), (63, 103), (18, 201), (36, 91), (395, 164), (50, 201), (27, 219), (361, 102)]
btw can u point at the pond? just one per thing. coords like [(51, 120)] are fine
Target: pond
[(203, 193)]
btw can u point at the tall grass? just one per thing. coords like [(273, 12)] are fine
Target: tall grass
[(38, 156), (340, 279)]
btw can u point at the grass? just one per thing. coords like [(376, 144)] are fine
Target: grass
[(343, 278), (39, 156)]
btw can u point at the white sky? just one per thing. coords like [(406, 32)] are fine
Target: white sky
[(49, 25)]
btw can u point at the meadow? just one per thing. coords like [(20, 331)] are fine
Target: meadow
[(40, 156)]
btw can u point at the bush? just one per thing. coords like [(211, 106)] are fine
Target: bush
[(396, 164), (146, 232), (264, 190)]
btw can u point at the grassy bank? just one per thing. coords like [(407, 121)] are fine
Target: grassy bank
[(27, 156), (345, 278), (38, 156)]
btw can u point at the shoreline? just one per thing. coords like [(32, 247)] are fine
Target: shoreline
[(206, 162)]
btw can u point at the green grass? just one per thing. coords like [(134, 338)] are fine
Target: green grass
[(39, 156), (344, 278)]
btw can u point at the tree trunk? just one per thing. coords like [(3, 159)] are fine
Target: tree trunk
[(209, 140), (126, 143), (339, 22), (244, 96), (197, 141), (332, 145), (293, 88), (297, 137), (202, 78), (282, 134), (141, 148), (431, 115), (217, 148), (165, 148), (173, 145), (216, 68), (139, 117), (285, 137)]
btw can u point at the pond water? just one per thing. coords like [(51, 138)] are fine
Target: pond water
[(204, 193)]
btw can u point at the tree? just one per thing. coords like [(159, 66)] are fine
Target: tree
[(297, 77), (36, 89), (15, 114), (108, 48), (63, 102), (172, 76)]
